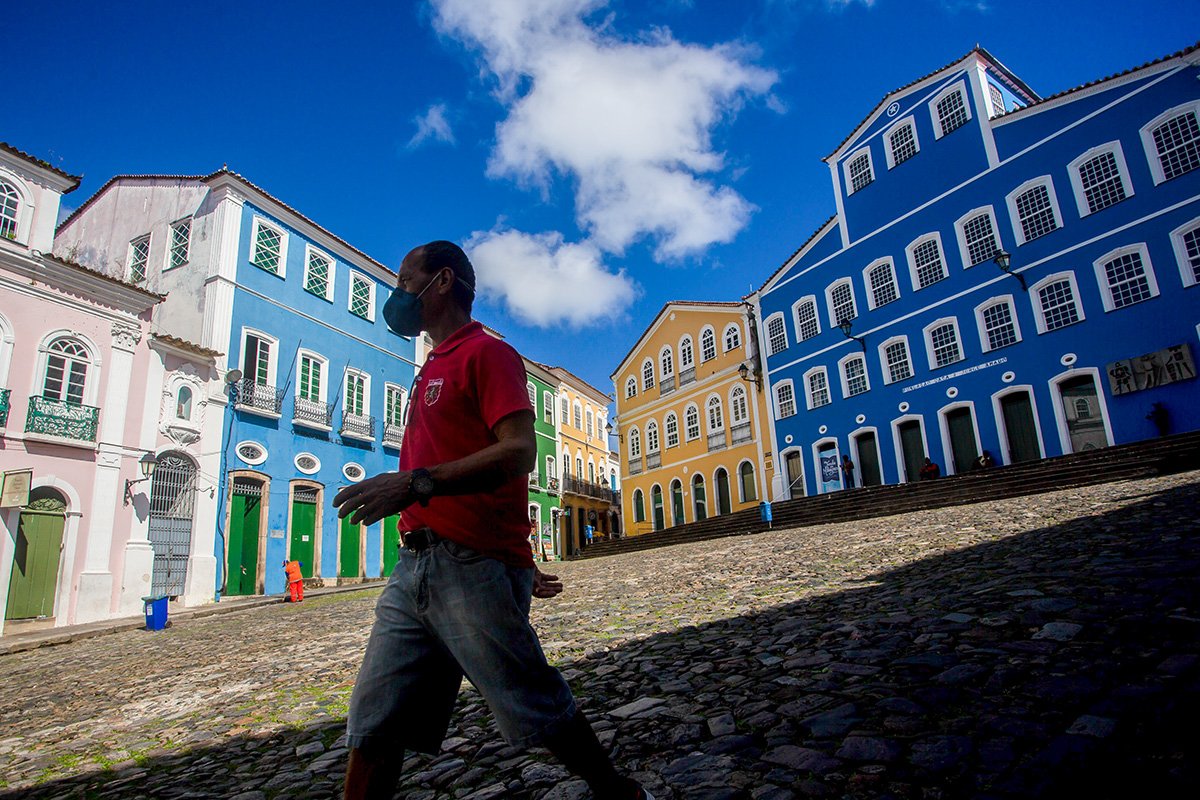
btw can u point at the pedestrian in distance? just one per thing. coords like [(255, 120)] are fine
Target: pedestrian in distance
[(458, 601), (295, 579), (848, 472), (930, 470), (984, 461)]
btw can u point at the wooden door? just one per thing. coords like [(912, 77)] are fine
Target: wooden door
[(34, 581)]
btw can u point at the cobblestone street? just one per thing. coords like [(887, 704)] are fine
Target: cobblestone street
[(1039, 647)]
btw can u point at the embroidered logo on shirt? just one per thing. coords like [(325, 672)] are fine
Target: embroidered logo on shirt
[(433, 391)]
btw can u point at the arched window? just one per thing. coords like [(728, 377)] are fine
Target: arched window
[(671, 427), (10, 205), (183, 403), (698, 499), (579, 466), (746, 479), (686, 356), (647, 375), (635, 443), (667, 361), (66, 371), (677, 503), (652, 437), (551, 472), (738, 407), (708, 345), (591, 472), (639, 506), (566, 464), (691, 422), (716, 417), (631, 387), (733, 337), (578, 416), (590, 423)]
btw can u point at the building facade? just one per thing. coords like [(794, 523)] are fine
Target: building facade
[(1003, 272), (544, 485), (690, 425)]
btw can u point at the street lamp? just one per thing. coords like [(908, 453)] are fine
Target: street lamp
[(1004, 262), (846, 326), (608, 428), (146, 463), (750, 377)]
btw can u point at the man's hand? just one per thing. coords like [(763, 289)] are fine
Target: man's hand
[(375, 498), (545, 585)]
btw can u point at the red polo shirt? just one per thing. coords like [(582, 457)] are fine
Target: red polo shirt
[(469, 383)]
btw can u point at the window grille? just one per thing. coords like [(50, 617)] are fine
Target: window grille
[(691, 419), (177, 254), (708, 346), (738, 407), (998, 326), (360, 297), (667, 361), (980, 238), (139, 256), (856, 376), (1036, 213), (860, 173), (883, 285), (1058, 305), (685, 353), (785, 400), (1178, 143), (10, 204), (843, 303), (898, 365), (647, 375), (1100, 178), (671, 426), (316, 279), (927, 259), (733, 338), (952, 112), (716, 417), (903, 143), (1191, 246), (631, 388), (806, 321), (944, 340), (268, 246), (776, 335), (818, 389), (1127, 281)]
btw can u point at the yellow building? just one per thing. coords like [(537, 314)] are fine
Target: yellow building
[(690, 418)]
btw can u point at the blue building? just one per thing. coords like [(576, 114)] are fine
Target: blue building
[(1004, 272), (313, 387)]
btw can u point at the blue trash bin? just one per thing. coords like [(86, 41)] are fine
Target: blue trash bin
[(156, 612)]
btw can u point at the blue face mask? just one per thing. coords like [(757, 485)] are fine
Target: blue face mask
[(402, 311)]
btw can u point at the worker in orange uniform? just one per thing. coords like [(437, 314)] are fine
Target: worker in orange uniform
[(295, 579)]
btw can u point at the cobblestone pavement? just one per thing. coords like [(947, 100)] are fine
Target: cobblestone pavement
[(1037, 647)]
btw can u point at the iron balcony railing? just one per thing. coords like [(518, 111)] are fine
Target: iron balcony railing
[(259, 398), (313, 412), (635, 466), (653, 460), (393, 434), (4, 395), (666, 385), (61, 418), (741, 433), (588, 489), (716, 441), (358, 426), (687, 376)]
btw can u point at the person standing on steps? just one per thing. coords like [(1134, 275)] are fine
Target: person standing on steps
[(458, 602)]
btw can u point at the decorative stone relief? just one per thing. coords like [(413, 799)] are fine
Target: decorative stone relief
[(184, 401), (125, 336)]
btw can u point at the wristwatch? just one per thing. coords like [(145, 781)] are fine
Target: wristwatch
[(421, 484)]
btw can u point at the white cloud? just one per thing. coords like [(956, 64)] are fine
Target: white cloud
[(432, 125), (629, 122), (545, 281)]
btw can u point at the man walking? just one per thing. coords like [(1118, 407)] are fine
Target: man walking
[(459, 601)]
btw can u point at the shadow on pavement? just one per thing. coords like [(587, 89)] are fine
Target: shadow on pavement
[(1062, 662)]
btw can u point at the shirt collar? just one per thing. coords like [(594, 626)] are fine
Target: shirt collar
[(468, 331)]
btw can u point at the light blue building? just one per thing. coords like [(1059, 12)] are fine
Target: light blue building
[(1004, 272), (314, 384)]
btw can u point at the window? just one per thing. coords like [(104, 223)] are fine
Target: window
[(841, 302), (357, 394), (548, 408), (393, 405), (630, 388), (318, 274), (686, 356), (139, 256), (997, 99), (902, 143), (997, 324), (738, 407), (691, 422), (183, 404), (881, 280), (1033, 209), (896, 363), (258, 363), (531, 391), (566, 407), (362, 296), (591, 423), (639, 506), (652, 437), (807, 324), (1098, 178), (950, 110), (1055, 302), (1186, 240), (854, 375), (818, 388), (746, 482), (177, 248), (733, 338), (859, 171), (667, 361), (716, 415), (776, 335), (566, 456), (1172, 142), (311, 373), (785, 400), (942, 340), (1125, 277), (925, 262), (635, 444), (977, 237), (67, 363), (10, 205), (671, 426), (708, 345), (577, 416), (268, 248), (647, 375), (551, 474)]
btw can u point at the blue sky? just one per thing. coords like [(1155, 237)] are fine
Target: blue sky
[(597, 158)]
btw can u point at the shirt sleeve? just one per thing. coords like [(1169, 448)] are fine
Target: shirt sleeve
[(500, 378)]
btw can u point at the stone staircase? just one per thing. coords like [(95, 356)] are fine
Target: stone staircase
[(1123, 462)]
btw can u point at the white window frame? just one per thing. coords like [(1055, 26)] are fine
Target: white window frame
[(23, 211), (272, 357), (564, 407), (809, 298), (850, 159), (666, 361), (322, 381), (711, 332), (927, 335), (1014, 217), (910, 257), (687, 430), (956, 86), (883, 362), (531, 393), (737, 331), (981, 325), (309, 251), (842, 362), (708, 415), (686, 345), (833, 320), (548, 408), (92, 377), (1147, 134), (577, 416), (1106, 295), (1039, 315), (771, 350), (961, 235), (891, 265), (1081, 202), (648, 379), (653, 440), (1186, 273), (631, 389), (187, 252), (403, 393), (260, 222), (736, 393), (910, 123), (356, 275), (589, 422), (808, 399), (635, 443), (366, 377), (778, 402), (671, 416), (145, 263)]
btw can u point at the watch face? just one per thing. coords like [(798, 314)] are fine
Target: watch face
[(422, 484)]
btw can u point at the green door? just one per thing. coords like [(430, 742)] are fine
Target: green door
[(962, 439), (351, 566), (35, 560), (656, 502), (391, 544), (912, 448), (245, 506), (724, 505), (677, 503), (1017, 409), (304, 529), (868, 459)]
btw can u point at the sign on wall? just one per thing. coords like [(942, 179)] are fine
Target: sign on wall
[(1153, 369), (14, 488)]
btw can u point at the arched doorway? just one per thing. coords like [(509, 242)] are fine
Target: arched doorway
[(677, 502), (699, 501), (305, 523), (656, 502), (245, 528), (34, 582), (724, 503), (172, 500)]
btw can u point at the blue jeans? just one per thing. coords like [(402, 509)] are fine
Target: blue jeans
[(447, 611)]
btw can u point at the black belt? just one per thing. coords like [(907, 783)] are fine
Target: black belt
[(418, 540)]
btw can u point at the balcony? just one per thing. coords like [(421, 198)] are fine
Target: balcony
[(653, 460), (588, 489), (741, 433), (60, 420), (716, 441), (533, 482), (552, 485), (666, 385), (4, 393), (259, 398), (687, 376), (313, 414), (393, 435), (635, 466), (358, 426)]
